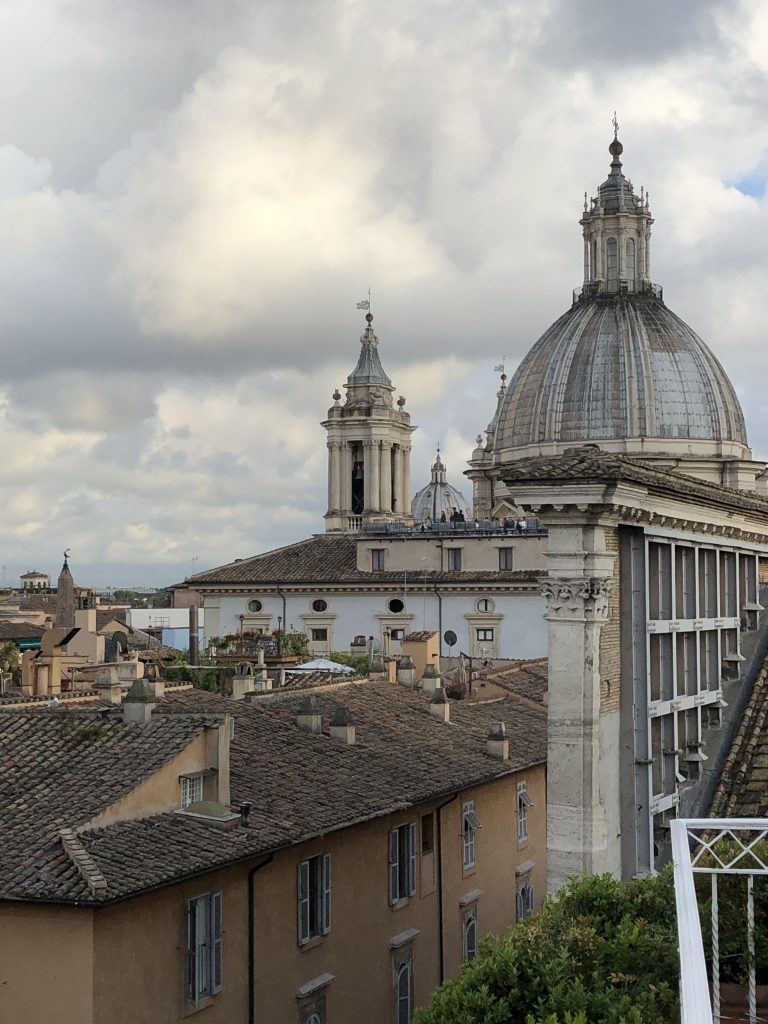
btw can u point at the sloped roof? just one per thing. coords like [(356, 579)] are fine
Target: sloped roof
[(330, 558), (56, 776), (593, 465), (19, 631), (742, 790), (60, 767)]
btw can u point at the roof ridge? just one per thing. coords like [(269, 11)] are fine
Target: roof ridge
[(85, 864)]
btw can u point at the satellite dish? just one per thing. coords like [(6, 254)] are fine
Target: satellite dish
[(450, 637), (375, 646)]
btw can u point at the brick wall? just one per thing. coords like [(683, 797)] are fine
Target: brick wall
[(610, 636)]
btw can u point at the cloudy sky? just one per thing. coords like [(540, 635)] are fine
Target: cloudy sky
[(195, 193)]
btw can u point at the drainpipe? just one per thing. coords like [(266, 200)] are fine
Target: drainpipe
[(441, 941), (251, 941), (285, 618), (439, 597)]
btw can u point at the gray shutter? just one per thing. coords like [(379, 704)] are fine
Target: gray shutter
[(394, 866), (326, 906), (412, 859), (192, 951), (216, 942), (303, 902)]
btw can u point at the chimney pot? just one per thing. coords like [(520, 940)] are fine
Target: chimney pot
[(308, 718), (245, 810), (497, 743), (138, 703), (439, 706), (342, 727), (406, 671)]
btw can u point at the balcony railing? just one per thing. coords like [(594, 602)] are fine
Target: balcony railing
[(595, 289), (530, 527), (717, 848)]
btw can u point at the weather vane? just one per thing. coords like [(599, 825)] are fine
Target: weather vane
[(615, 124), (66, 554), (366, 303)]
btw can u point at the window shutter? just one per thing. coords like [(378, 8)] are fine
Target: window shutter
[(412, 859), (394, 867), (326, 915), (216, 942), (192, 951), (303, 902)]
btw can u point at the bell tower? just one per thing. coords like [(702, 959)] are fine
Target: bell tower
[(369, 447)]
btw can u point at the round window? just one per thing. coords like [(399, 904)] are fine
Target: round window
[(396, 605), (485, 605), (319, 605), (254, 606)]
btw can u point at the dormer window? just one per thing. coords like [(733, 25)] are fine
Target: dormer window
[(191, 790)]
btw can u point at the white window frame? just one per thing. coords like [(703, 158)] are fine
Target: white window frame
[(470, 925), (402, 862), (470, 825), (313, 897), (523, 803), (204, 946), (404, 993), (191, 790), (484, 639)]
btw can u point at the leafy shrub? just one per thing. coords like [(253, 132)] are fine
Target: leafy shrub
[(601, 952)]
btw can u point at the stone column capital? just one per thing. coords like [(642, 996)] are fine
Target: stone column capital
[(370, 444), (577, 598)]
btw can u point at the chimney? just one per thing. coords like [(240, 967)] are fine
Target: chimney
[(138, 703), (152, 677), (439, 706), (342, 726), (378, 667), (280, 677), (406, 673), (497, 743), (245, 810), (108, 686), (430, 681), (308, 718), (194, 636)]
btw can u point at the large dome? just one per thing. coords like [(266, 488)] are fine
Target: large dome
[(621, 368), (438, 498)]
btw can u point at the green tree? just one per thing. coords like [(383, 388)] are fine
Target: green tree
[(359, 662), (10, 656), (601, 952)]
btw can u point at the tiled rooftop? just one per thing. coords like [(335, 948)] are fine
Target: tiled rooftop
[(742, 790), (19, 631), (592, 464), (60, 768), (332, 559)]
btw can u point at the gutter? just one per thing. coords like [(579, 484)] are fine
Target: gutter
[(251, 940), (440, 915)]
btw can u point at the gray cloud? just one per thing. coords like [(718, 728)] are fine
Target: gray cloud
[(193, 195)]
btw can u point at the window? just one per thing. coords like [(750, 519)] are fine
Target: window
[(396, 634), (454, 559), (471, 825), (396, 606), (630, 268), (191, 790), (427, 833), (204, 942), (255, 606), (402, 862), (523, 803), (377, 559), (524, 901), (314, 897), (485, 604), (485, 634), (612, 254), (319, 605), (320, 635), (470, 936), (505, 558), (404, 992), (314, 1018)]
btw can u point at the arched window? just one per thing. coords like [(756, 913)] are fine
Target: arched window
[(470, 937), (524, 901), (403, 993), (630, 274), (313, 1018), (612, 259)]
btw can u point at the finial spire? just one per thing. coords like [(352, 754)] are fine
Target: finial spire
[(66, 555), (615, 124)]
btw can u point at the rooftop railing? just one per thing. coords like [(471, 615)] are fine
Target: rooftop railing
[(596, 289), (530, 527), (715, 848)]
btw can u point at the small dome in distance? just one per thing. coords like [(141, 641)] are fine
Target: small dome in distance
[(438, 497)]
